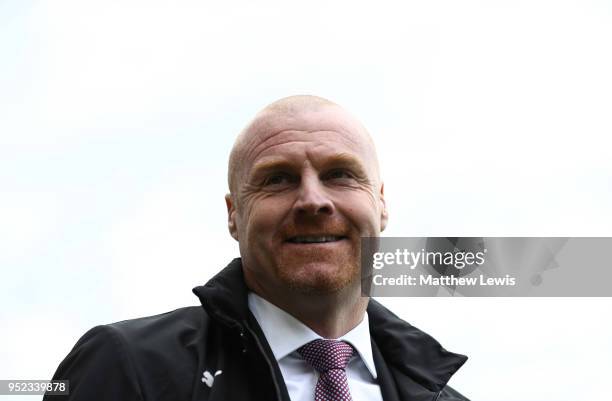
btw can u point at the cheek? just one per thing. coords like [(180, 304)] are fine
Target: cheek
[(263, 218), (363, 212)]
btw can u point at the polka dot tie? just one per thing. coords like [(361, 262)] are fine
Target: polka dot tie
[(329, 358)]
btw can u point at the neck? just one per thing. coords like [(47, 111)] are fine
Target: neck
[(328, 321), (330, 315)]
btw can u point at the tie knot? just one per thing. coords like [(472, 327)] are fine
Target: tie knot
[(324, 355)]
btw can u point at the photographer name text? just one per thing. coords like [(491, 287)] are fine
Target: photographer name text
[(431, 280)]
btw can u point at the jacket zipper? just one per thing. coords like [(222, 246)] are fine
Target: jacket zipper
[(270, 365)]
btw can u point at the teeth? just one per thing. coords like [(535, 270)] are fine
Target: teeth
[(314, 240)]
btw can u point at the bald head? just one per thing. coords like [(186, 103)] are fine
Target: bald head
[(292, 105), (300, 113)]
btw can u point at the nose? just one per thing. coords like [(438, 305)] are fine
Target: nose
[(313, 199)]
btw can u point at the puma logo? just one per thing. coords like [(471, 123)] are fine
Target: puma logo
[(208, 378)]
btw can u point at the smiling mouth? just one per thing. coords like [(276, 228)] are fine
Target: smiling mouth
[(314, 239)]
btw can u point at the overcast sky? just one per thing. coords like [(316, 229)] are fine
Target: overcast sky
[(492, 118)]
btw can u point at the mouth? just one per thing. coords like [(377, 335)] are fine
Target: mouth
[(315, 239)]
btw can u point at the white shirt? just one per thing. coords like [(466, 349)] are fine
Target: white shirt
[(286, 334)]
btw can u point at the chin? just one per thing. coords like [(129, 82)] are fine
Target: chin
[(319, 277)]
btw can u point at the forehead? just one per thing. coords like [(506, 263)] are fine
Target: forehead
[(314, 134)]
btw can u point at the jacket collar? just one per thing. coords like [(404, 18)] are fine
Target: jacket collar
[(225, 296), (404, 348), (411, 351)]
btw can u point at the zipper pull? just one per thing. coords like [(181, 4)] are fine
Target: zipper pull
[(243, 340)]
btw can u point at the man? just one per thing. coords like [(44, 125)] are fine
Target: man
[(287, 319)]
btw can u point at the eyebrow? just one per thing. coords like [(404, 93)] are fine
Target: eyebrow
[(271, 163), (346, 160), (335, 160)]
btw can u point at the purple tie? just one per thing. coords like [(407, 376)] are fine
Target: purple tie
[(329, 358)]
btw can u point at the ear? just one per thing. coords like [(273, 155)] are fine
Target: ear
[(384, 214), (231, 216)]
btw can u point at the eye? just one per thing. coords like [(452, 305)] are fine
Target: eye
[(339, 174), (277, 179)]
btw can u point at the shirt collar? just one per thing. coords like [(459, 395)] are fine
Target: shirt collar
[(285, 333)]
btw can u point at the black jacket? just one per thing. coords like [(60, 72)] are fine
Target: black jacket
[(163, 357)]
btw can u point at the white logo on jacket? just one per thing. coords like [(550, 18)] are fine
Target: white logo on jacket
[(208, 378)]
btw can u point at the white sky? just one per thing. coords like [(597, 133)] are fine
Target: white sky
[(492, 118)]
